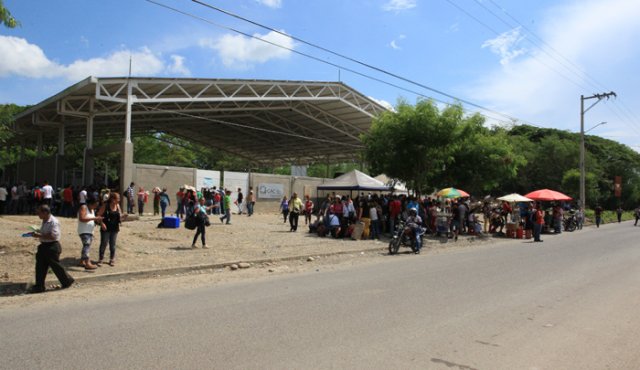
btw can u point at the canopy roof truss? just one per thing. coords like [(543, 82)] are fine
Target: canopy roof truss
[(263, 120)]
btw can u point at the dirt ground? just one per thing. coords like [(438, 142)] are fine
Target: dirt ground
[(142, 246)]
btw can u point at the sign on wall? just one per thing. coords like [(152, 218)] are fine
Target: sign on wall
[(207, 179), (270, 191)]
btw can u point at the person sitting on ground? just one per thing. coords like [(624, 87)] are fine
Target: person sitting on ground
[(334, 225)]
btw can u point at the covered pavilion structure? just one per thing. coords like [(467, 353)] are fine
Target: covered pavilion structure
[(267, 121)]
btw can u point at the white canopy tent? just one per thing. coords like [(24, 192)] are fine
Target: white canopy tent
[(397, 186)]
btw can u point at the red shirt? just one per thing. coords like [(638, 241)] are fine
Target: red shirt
[(539, 217), (394, 208), (67, 194)]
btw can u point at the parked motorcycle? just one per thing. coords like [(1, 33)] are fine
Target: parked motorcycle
[(403, 236), (570, 222)]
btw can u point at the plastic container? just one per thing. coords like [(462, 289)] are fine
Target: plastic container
[(171, 222)]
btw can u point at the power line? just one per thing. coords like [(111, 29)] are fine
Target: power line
[(581, 73), (367, 65), (569, 79), (576, 70), (341, 67)]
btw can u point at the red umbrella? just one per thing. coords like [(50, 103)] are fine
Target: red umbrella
[(546, 194)]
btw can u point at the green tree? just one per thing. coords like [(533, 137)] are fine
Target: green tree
[(406, 144), (6, 18), (7, 112), (571, 185), (427, 149)]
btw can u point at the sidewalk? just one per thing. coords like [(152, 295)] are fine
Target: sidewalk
[(144, 250)]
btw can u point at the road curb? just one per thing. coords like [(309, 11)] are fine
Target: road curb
[(9, 289), (128, 275)]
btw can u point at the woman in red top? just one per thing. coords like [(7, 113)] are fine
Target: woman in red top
[(308, 209), (538, 222)]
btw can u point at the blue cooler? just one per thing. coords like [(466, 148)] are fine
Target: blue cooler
[(171, 222)]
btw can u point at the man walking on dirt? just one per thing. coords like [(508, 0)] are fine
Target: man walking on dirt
[(48, 255), (130, 193)]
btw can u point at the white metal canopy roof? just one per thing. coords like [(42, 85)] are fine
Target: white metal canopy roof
[(264, 120)]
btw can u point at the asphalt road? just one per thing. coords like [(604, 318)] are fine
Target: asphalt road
[(571, 302)]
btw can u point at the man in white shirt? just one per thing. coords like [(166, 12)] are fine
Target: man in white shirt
[(3, 198), (48, 255), (47, 192), (13, 206), (82, 196)]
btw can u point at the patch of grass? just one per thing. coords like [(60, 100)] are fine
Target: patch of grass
[(608, 216)]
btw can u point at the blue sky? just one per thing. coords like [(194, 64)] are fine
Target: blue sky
[(528, 59)]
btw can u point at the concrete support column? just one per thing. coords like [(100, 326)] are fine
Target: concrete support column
[(59, 170), (38, 156), (87, 173), (61, 140), (126, 166), (127, 129)]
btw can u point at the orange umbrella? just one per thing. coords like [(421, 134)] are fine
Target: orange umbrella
[(547, 195)]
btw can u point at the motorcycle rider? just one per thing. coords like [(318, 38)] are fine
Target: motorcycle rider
[(414, 222)]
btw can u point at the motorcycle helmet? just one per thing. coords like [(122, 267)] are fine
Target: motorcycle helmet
[(413, 211)]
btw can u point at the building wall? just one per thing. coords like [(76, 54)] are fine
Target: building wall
[(289, 184), (173, 178)]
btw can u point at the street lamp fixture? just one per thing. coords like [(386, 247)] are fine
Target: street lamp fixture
[(599, 124)]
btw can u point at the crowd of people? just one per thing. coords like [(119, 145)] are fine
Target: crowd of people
[(367, 216), (22, 199)]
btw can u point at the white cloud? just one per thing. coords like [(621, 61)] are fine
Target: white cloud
[(178, 67), (271, 3), (394, 43), (505, 45), (398, 5), (21, 58), (384, 103), (241, 52), (597, 37)]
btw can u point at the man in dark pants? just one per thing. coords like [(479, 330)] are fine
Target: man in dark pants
[(49, 250)]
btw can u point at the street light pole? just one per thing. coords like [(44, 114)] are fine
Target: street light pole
[(583, 198)]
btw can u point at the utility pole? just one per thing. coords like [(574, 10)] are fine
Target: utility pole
[(599, 97)]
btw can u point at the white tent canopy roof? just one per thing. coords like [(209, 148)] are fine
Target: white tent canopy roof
[(398, 187), (354, 180)]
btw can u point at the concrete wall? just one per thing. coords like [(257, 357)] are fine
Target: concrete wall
[(290, 184), (173, 178)]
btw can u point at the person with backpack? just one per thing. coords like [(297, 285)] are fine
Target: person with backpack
[(202, 221)]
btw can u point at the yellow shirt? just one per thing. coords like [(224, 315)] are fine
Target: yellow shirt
[(295, 205)]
